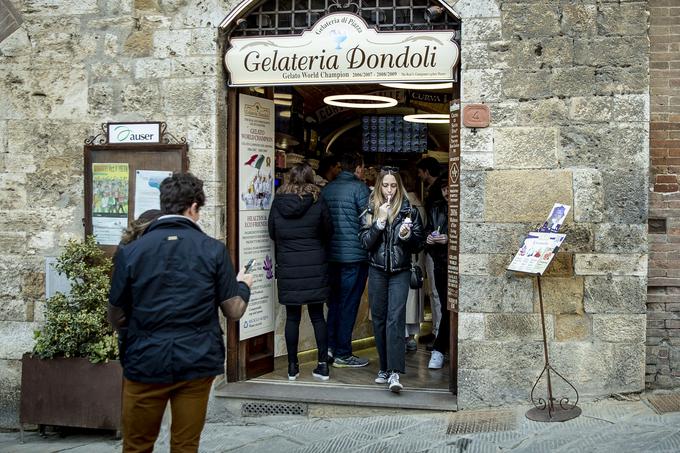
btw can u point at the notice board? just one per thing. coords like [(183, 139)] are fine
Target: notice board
[(111, 192)]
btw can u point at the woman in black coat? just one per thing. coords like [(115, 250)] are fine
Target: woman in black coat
[(300, 225)]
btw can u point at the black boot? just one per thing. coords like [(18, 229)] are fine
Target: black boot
[(321, 371), (293, 371)]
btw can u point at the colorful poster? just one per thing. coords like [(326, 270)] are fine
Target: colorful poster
[(256, 153), (537, 251), (555, 219), (110, 188), (147, 190), (255, 243)]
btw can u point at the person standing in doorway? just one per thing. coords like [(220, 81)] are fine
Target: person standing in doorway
[(437, 247), (346, 197), (167, 287), (329, 169), (301, 226), (392, 231), (428, 172), (414, 303)]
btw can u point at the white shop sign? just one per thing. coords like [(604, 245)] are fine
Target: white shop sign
[(134, 132), (339, 48)]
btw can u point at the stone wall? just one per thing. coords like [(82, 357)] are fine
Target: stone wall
[(70, 67), (567, 83), (663, 296)]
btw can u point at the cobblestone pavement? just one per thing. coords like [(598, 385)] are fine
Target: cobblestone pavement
[(605, 426)]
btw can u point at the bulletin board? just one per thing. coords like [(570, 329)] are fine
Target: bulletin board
[(112, 173)]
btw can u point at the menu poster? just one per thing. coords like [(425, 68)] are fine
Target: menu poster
[(537, 251), (110, 187), (256, 244), (256, 153)]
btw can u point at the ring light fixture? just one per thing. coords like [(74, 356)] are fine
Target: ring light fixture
[(440, 118), (376, 102), (419, 86)]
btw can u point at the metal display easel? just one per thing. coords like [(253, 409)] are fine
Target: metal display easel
[(550, 409)]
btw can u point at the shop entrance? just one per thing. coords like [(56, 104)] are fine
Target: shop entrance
[(306, 127)]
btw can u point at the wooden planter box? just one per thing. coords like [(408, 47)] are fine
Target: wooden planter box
[(71, 392)]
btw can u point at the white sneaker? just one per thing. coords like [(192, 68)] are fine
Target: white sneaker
[(382, 377), (436, 361), (394, 384)]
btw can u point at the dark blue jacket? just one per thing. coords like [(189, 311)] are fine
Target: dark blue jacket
[(170, 283), (346, 197)]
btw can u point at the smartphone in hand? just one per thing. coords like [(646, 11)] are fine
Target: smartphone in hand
[(249, 265)]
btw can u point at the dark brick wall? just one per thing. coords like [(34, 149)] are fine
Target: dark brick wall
[(663, 293)]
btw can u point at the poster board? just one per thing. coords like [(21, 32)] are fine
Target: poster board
[(111, 175), (256, 165)]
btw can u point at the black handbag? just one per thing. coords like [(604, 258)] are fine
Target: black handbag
[(416, 281)]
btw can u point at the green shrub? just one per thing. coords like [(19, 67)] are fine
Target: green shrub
[(76, 324)]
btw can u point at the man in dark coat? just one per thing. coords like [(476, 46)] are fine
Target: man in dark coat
[(346, 197), (166, 289)]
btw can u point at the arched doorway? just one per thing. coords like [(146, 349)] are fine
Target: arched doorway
[(295, 84)]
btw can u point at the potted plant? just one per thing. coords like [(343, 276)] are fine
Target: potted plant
[(72, 378)]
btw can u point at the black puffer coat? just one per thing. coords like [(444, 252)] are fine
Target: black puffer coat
[(300, 228), (386, 250)]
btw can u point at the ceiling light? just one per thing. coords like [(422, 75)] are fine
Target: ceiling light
[(427, 118), (284, 114), (419, 86), (376, 102), (283, 101), (283, 96)]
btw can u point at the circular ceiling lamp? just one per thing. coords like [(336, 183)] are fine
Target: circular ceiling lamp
[(419, 86), (373, 102), (439, 118)]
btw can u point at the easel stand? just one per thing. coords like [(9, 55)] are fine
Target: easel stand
[(550, 409)]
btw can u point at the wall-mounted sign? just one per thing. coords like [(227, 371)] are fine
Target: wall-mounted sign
[(339, 48), (476, 115), (134, 132)]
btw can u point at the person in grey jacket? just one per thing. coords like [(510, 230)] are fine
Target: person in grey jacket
[(346, 197)]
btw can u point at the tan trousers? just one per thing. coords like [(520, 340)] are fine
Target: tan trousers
[(143, 408)]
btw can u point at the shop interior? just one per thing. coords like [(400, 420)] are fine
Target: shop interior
[(386, 132)]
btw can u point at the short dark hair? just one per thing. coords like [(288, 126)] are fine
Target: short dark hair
[(326, 164), (431, 165), (350, 161), (180, 191)]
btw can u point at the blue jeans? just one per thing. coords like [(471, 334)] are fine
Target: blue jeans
[(347, 282), (387, 295)]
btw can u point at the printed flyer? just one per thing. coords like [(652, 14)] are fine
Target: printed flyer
[(537, 251), (110, 188), (255, 244), (256, 153), (147, 190)]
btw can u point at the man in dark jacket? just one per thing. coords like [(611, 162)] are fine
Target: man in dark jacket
[(346, 196), (166, 289)]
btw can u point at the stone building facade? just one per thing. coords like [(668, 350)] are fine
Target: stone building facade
[(568, 87)]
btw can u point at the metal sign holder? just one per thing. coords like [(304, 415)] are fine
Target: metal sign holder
[(550, 409)]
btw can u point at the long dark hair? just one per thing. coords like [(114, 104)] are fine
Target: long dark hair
[(300, 181)]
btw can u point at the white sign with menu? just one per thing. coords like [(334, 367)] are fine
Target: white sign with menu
[(256, 192)]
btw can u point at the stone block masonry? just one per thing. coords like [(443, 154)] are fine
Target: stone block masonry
[(663, 292)]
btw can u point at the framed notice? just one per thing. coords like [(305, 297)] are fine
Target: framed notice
[(256, 193), (121, 182)]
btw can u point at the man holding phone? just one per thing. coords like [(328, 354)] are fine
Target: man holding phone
[(171, 281)]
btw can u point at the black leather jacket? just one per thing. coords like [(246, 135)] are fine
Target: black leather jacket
[(438, 216), (386, 250)]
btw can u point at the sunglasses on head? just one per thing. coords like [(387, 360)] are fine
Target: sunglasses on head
[(388, 169)]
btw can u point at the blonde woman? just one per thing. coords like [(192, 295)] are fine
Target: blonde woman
[(392, 231)]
